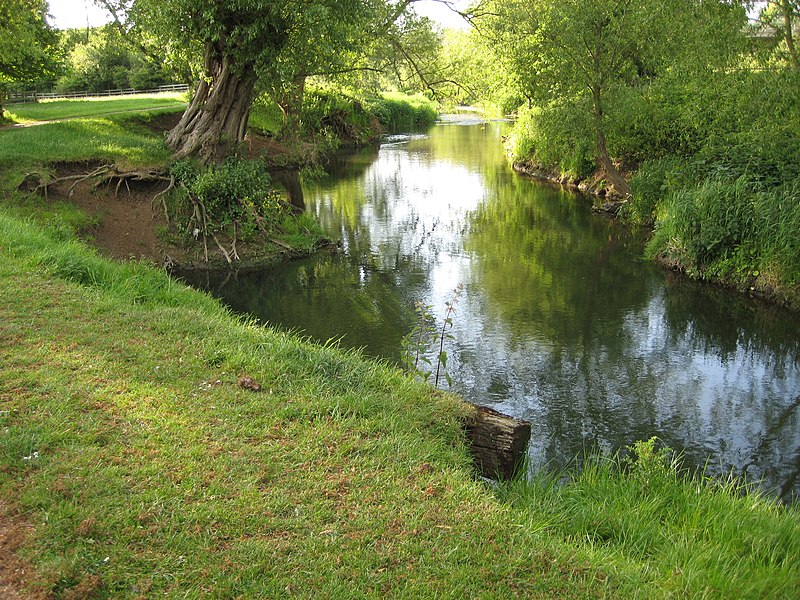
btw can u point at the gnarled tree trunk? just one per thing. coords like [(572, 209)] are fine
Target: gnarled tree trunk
[(216, 120)]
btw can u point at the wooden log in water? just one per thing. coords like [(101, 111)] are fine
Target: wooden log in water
[(498, 442)]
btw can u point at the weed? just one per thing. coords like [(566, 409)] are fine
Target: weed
[(426, 336)]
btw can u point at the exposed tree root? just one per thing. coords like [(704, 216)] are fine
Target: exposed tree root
[(40, 182)]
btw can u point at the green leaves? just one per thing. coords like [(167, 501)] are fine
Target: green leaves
[(27, 42)]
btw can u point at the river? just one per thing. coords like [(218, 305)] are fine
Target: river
[(560, 321)]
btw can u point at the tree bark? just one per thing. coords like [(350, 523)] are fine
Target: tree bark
[(215, 122), (615, 177)]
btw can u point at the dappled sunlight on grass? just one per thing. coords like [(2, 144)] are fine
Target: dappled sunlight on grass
[(80, 139), (46, 110)]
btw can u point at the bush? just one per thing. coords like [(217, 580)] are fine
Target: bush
[(399, 112), (733, 229), (236, 191), (557, 136), (653, 183), (335, 118)]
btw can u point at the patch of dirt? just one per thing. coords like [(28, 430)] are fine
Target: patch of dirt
[(128, 219), (14, 572), (162, 123)]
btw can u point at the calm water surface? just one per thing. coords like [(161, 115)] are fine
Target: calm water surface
[(560, 321)]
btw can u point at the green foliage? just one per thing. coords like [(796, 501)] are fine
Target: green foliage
[(332, 118), (557, 137), (107, 61), (265, 115), (236, 191), (734, 229), (651, 185), (302, 231), (400, 112), (27, 44), (725, 206), (686, 535)]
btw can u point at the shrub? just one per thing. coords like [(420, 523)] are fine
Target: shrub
[(653, 183), (235, 191), (556, 136), (399, 112), (335, 118)]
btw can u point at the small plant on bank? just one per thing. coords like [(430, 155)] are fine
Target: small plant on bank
[(416, 342), (426, 335)]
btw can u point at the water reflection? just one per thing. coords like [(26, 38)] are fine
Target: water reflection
[(560, 321)]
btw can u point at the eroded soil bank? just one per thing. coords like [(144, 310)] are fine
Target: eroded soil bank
[(128, 222)]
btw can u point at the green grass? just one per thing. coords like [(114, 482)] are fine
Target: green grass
[(102, 138), (146, 470), (48, 110), (689, 537)]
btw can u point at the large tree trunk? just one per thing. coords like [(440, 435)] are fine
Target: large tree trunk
[(615, 177), (215, 122)]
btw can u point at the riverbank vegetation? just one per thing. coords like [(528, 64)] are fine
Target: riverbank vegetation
[(151, 443), (687, 110), (156, 444)]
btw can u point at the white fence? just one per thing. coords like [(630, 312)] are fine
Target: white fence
[(22, 97)]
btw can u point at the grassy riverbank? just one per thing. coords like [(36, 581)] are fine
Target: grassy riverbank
[(713, 169), (145, 463), (151, 443)]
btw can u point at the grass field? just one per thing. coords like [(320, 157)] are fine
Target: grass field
[(81, 132), (148, 469), (49, 110), (109, 138)]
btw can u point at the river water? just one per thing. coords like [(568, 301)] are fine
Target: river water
[(559, 321)]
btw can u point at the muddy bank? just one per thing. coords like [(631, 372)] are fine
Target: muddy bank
[(595, 184)]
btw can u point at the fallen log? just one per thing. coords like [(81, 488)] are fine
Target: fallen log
[(498, 442)]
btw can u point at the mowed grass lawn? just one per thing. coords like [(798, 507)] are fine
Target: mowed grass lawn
[(49, 110), (107, 129)]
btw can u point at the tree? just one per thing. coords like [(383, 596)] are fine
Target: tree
[(239, 38), (588, 48), (27, 43), (784, 17), (326, 40), (245, 43)]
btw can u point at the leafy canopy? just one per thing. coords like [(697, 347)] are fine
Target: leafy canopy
[(27, 43)]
